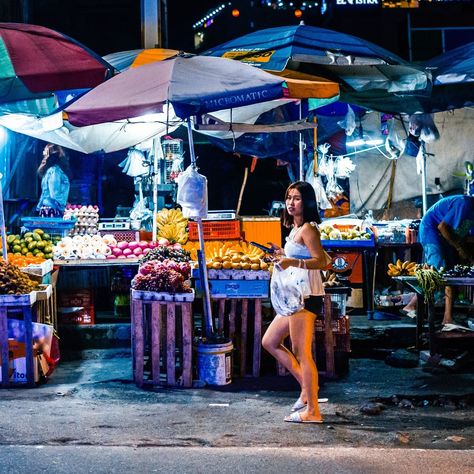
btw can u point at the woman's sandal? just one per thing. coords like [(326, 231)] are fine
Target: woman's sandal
[(295, 417), (299, 404)]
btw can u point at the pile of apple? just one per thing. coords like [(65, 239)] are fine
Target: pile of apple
[(134, 249)]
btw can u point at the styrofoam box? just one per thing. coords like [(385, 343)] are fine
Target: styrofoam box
[(236, 288), (162, 296)]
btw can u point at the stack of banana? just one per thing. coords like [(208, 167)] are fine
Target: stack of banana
[(400, 268), (236, 255), (171, 225)]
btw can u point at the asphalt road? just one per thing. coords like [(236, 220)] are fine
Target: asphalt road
[(119, 459), (90, 417)]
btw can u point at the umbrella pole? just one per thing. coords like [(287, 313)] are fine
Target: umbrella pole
[(301, 146), (2, 224), (157, 146), (209, 326), (423, 179)]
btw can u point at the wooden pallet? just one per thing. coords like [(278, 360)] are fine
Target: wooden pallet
[(161, 342), (234, 321)]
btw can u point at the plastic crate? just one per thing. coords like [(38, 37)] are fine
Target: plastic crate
[(51, 225), (216, 230)]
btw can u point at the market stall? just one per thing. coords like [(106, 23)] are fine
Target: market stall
[(456, 335)]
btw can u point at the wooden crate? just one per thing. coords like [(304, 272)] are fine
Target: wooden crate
[(236, 321), (161, 342), (23, 304)]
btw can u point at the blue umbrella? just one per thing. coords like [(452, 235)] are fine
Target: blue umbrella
[(364, 70)]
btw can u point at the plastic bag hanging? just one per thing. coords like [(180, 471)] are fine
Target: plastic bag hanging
[(349, 122), (192, 193), (394, 145), (135, 164), (316, 182)]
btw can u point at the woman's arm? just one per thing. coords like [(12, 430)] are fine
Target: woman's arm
[(312, 239)]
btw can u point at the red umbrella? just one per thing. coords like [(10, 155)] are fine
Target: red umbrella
[(37, 61)]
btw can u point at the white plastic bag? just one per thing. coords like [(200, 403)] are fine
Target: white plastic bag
[(288, 290), (192, 193)]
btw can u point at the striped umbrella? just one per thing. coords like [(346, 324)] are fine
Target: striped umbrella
[(36, 62)]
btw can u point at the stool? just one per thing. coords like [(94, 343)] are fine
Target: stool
[(237, 328), (161, 330)]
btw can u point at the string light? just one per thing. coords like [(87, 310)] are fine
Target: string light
[(208, 19)]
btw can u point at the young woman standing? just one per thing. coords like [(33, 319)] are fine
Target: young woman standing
[(303, 249)]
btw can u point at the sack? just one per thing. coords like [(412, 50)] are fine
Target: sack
[(288, 290)]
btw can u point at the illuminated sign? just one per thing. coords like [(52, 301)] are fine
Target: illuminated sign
[(356, 2)]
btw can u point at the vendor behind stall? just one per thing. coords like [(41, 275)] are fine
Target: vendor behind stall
[(54, 172), (443, 231)]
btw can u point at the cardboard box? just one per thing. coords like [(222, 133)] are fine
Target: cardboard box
[(42, 339)]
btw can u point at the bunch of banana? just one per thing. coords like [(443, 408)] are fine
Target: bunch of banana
[(172, 225), (170, 216), (400, 268), (173, 232), (223, 248)]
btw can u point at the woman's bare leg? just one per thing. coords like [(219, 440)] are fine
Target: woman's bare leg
[(272, 341), (301, 327)]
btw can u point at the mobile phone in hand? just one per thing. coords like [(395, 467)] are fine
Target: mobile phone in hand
[(263, 247)]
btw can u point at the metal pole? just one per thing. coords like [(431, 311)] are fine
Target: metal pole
[(151, 23), (157, 150), (209, 326), (423, 178), (410, 53), (25, 11), (2, 224), (301, 146)]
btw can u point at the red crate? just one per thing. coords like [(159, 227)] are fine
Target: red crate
[(75, 298), (216, 230)]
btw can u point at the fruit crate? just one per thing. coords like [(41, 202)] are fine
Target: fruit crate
[(216, 230)]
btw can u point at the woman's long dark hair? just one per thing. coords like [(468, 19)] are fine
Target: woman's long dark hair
[(310, 205), (56, 156)]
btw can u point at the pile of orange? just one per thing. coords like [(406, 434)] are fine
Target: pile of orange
[(22, 261)]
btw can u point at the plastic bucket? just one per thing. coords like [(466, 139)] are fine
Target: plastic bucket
[(214, 363)]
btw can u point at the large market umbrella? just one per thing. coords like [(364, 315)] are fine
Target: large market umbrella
[(36, 62), (366, 72), (123, 60), (193, 86)]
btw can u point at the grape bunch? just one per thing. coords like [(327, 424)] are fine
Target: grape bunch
[(161, 279), (163, 252)]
